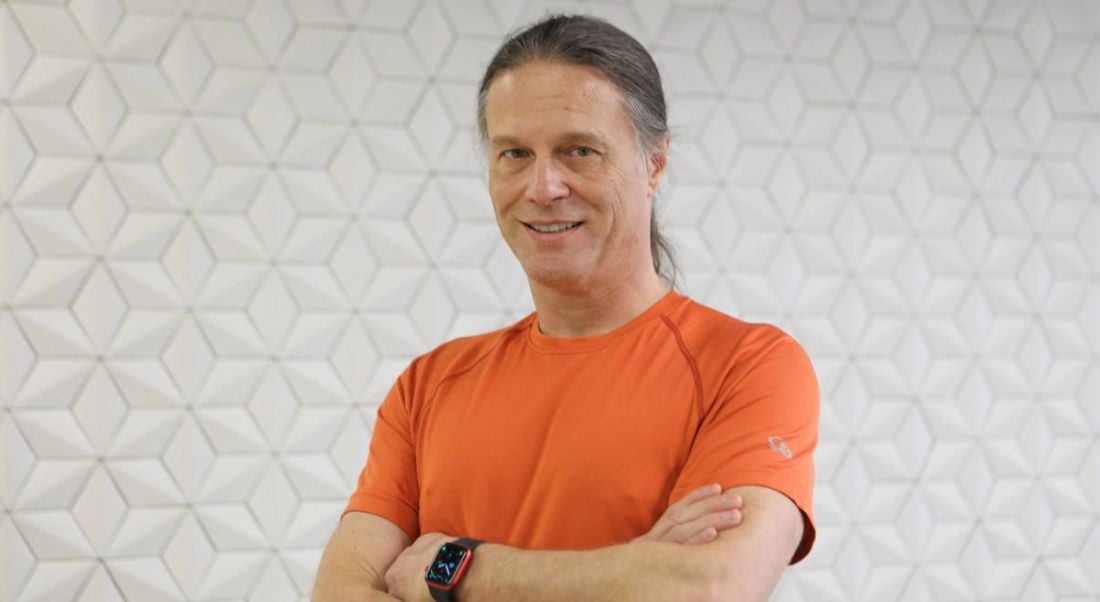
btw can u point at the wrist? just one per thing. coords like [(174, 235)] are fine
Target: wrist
[(450, 567), (479, 571)]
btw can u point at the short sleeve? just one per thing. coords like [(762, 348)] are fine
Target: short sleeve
[(388, 483), (762, 427)]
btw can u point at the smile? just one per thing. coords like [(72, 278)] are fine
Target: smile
[(553, 228)]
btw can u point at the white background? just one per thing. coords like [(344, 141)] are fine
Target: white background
[(226, 225)]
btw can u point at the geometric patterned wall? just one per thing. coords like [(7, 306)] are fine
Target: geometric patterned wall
[(226, 225)]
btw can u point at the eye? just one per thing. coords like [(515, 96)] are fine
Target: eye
[(513, 153), (581, 151)]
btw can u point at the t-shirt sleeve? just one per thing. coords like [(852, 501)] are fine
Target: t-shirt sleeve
[(388, 483), (762, 428)]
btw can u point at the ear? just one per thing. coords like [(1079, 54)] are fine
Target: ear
[(658, 162)]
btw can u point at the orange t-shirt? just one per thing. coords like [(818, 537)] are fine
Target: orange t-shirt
[(540, 442)]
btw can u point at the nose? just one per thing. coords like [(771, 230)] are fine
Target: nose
[(547, 182)]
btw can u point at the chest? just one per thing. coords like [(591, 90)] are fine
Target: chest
[(527, 441)]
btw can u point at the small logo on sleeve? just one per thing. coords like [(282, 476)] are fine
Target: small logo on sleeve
[(779, 446)]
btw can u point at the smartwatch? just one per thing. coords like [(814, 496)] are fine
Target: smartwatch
[(448, 567)]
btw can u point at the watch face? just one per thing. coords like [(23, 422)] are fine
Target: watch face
[(448, 560)]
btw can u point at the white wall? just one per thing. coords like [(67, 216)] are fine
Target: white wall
[(226, 225)]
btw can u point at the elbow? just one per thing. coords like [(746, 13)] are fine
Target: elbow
[(720, 582)]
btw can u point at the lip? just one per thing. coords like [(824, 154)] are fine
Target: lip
[(551, 236)]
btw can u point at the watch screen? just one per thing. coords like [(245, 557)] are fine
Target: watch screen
[(447, 561)]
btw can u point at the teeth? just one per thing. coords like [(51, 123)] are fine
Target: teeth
[(554, 228)]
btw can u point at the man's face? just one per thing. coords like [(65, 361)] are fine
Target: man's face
[(570, 187)]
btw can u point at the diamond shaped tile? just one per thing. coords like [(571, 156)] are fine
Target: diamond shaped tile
[(231, 430), (1035, 114), (186, 63), (144, 579), (99, 510), (314, 383), (99, 209), (98, 107), (430, 34), (189, 358), (53, 433), (140, 36), (312, 48), (51, 29), (188, 457), (271, 117), (100, 307), (100, 409), (230, 90), (351, 75), (16, 51), (273, 309), (19, 460), (271, 213), (53, 130), (51, 182), (232, 477), (270, 24), (228, 42), (187, 162), (273, 406), (18, 153), (312, 96), (391, 54), (231, 189), (274, 584), (100, 587), (97, 19), (17, 257), (19, 561), (312, 190), (57, 579), (52, 485), (431, 126), (51, 282), (188, 260)]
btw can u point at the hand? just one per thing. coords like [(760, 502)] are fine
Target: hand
[(405, 577), (698, 517)]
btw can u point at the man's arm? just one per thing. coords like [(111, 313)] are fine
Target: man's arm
[(361, 549), (740, 564)]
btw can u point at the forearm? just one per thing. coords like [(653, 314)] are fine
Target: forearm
[(340, 583), (342, 576), (635, 571)]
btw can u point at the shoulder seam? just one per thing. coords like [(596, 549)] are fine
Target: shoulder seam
[(691, 363)]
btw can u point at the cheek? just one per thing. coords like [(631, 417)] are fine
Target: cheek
[(499, 195)]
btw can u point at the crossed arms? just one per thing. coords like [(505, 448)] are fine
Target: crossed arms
[(708, 546)]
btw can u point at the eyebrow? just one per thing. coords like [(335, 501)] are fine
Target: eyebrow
[(574, 137)]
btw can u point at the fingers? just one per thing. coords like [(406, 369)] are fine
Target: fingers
[(685, 512), (702, 527), (705, 536), (681, 511), (701, 493), (698, 517)]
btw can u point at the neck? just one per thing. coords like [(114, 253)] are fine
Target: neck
[(577, 311)]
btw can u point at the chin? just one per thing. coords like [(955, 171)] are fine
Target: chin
[(555, 275)]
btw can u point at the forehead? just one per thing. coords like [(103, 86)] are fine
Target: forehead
[(543, 96)]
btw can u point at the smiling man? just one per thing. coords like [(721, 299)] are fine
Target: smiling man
[(623, 442)]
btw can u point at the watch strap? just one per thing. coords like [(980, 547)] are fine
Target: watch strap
[(469, 542)]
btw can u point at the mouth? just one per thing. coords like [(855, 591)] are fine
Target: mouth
[(553, 228)]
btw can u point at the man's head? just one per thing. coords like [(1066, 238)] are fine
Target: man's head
[(573, 115)]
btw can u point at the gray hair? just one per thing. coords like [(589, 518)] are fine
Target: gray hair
[(592, 42)]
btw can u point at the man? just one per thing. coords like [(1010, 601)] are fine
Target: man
[(622, 442)]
